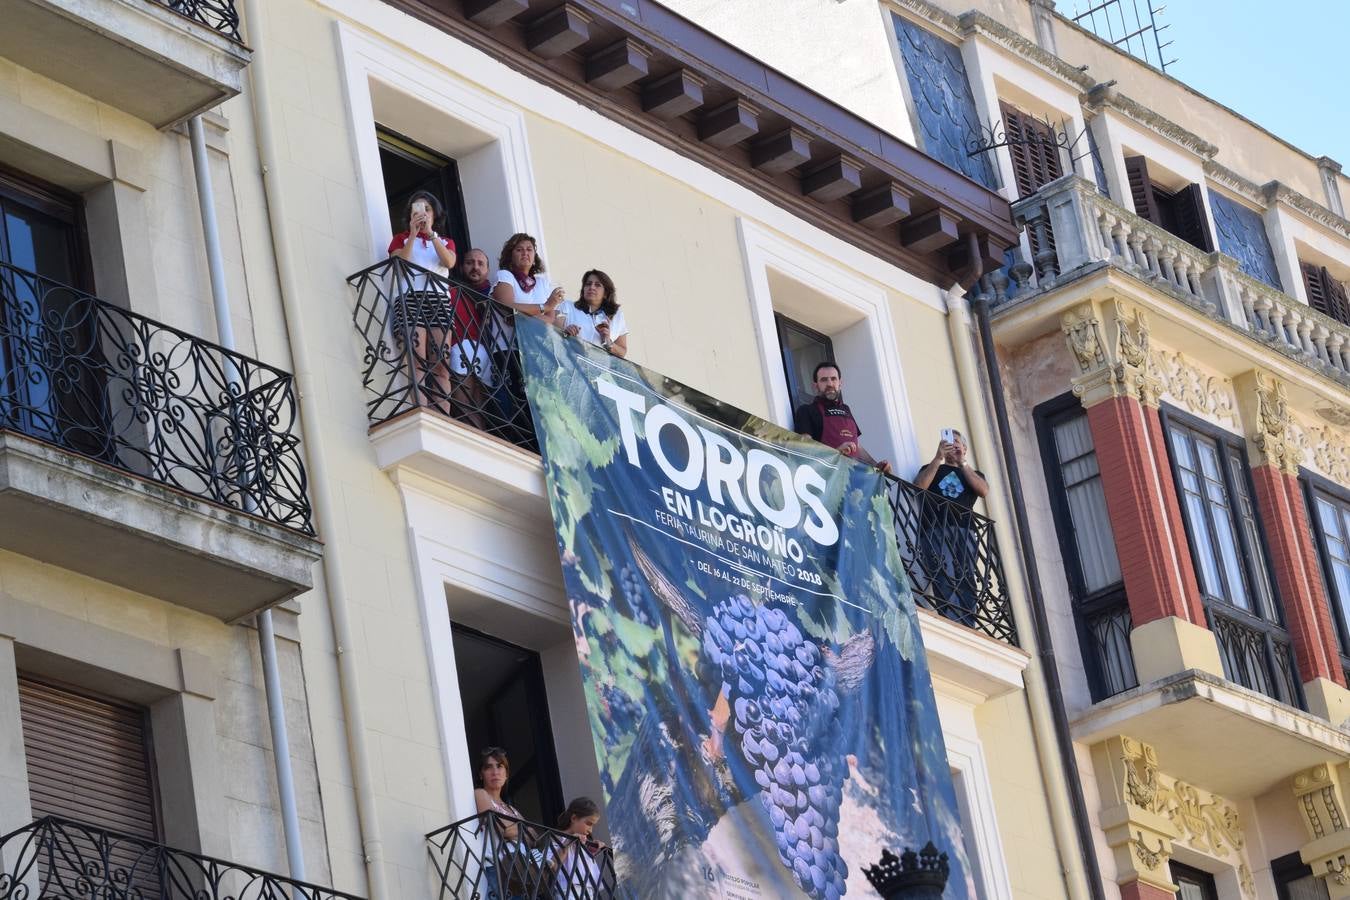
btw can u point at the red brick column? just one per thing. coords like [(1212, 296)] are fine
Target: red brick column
[(1155, 559), (1284, 517), (1142, 890)]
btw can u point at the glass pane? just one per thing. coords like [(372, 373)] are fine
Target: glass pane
[(1181, 446), (802, 350), (1087, 504), (1309, 887), (1210, 582), (1230, 554), (38, 243), (1190, 891), (1251, 532)]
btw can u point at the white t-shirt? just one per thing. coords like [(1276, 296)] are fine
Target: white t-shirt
[(535, 296), (578, 875), (586, 322), (423, 254)]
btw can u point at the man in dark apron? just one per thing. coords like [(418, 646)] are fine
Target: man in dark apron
[(828, 418)]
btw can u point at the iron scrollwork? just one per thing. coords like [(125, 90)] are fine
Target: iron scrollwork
[(495, 855), (61, 858), (218, 15), (951, 556), (129, 392)]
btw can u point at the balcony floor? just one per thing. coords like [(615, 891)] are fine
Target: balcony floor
[(79, 514), (1214, 733)]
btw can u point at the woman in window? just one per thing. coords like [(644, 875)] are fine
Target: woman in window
[(520, 287), (597, 317), (509, 860), (579, 875), (421, 312)]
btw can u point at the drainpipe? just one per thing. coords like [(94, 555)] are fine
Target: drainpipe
[(276, 709), (1054, 751), (372, 846)]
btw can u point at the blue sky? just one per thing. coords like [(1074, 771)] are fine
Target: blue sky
[(1282, 65)]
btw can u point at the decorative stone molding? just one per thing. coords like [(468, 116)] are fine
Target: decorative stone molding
[(1103, 96), (1147, 813), (1244, 187), (1202, 394), (1119, 366), (1273, 437), (1320, 793), (1327, 448), (1278, 192), (957, 28)]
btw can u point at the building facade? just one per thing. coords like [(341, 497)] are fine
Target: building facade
[(1170, 336), (186, 184)]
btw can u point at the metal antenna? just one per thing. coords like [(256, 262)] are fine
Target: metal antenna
[(1125, 25)]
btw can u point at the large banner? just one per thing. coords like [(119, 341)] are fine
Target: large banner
[(756, 685)]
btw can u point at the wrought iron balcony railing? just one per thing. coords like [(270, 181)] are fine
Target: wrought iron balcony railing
[(133, 393), (1073, 229), (952, 558), (437, 344), (495, 856), (1255, 655), (1104, 634), (218, 15), (434, 343), (59, 859)]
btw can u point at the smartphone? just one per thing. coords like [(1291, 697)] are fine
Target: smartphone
[(949, 436)]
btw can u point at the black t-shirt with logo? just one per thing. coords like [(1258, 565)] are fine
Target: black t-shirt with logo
[(950, 482)]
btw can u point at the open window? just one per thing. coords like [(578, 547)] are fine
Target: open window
[(409, 167), (1180, 212), (1326, 293), (1193, 884)]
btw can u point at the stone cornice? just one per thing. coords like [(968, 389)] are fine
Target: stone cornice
[(1244, 187), (1107, 96), (975, 22), (1278, 192)]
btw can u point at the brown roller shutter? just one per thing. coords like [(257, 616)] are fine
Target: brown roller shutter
[(88, 759), (1325, 293), (1188, 207)]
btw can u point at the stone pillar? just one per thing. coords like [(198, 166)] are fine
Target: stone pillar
[(1140, 837), (1329, 169), (1284, 518), (1119, 386), (1320, 795), (1043, 19)]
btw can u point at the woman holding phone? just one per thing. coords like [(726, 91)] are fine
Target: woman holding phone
[(596, 317)]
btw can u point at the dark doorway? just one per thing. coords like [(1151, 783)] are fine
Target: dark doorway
[(501, 687), (409, 167)]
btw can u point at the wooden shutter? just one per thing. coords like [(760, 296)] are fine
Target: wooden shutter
[(88, 759), (1141, 189), (1032, 145), (1325, 293), (1188, 209)]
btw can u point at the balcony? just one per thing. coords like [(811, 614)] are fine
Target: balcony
[(163, 61), (59, 859), (138, 454), (418, 412), (1074, 232), (473, 858)]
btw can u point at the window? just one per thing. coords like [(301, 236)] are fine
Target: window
[(803, 349), (1229, 552), (42, 231), (1331, 521), (1193, 884), (501, 687), (409, 167), (89, 759), (1296, 881), (1325, 293), (1034, 150), (1084, 526), (1181, 213)]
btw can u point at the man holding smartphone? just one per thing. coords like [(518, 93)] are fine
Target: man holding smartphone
[(828, 418), (947, 550)]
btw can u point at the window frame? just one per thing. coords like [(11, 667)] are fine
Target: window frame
[(781, 321), (65, 206), (1313, 484), (1086, 604), (1233, 447), (1287, 868), (1198, 876)]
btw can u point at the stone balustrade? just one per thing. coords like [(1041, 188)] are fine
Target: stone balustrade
[(1073, 229)]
